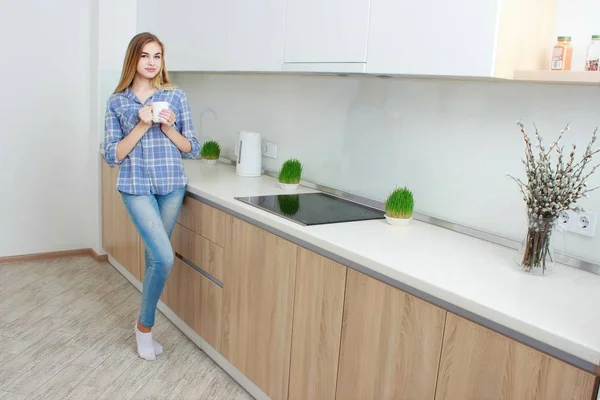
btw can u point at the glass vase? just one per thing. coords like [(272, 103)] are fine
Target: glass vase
[(537, 253)]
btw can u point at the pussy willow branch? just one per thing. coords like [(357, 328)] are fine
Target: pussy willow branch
[(591, 190), (550, 187), (557, 141), (522, 186)]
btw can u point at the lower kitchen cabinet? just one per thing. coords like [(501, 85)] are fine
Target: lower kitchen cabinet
[(119, 236), (318, 309), (391, 343), (301, 326), (177, 289), (258, 307), (198, 250), (479, 364), (207, 221), (206, 301), (196, 300)]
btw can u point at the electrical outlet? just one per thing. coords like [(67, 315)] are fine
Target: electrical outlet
[(583, 223), (269, 149), (563, 218)]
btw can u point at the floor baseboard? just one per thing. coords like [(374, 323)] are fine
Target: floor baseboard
[(54, 254), (44, 256), (98, 257)]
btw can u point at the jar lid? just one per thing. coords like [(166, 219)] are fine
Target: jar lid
[(596, 37), (564, 38)]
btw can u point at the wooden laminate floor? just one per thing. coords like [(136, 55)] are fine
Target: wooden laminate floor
[(66, 332)]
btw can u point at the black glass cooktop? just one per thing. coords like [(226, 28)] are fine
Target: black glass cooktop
[(313, 208)]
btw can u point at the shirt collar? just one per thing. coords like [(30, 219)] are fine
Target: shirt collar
[(131, 96)]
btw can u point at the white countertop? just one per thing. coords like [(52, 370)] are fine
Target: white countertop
[(560, 309)]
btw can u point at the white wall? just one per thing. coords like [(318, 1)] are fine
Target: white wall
[(451, 142), (118, 20), (46, 165)]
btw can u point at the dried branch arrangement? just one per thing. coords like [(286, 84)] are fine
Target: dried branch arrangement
[(550, 189)]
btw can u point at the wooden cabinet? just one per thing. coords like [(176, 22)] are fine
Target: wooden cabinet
[(258, 307), (431, 37), (460, 38), (391, 343), (301, 326), (479, 364), (207, 304), (196, 300), (225, 35), (212, 224), (207, 255), (318, 308), (176, 291), (119, 236), (320, 32)]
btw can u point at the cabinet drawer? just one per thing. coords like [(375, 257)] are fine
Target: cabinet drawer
[(196, 300), (206, 300), (200, 251), (205, 220)]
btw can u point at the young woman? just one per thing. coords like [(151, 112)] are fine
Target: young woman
[(151, 177)]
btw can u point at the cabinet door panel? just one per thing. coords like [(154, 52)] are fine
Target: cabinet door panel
[(206, 300), (480, 364), (326, 31), (434, 37), (176, 290), (391, 343), (119, 236), (225, 35), (318, 308), (258, 307), (200, 251), (207, 221)]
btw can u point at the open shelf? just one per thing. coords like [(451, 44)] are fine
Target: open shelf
[(566, 77)]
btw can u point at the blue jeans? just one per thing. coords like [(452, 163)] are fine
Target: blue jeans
[(154, 217)]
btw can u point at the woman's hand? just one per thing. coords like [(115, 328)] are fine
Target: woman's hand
[(167, 119), (145, 115)]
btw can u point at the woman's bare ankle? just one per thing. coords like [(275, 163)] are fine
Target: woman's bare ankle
[(143, 328)]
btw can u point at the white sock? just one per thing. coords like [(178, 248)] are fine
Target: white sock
[(145, 344), (158, 348)]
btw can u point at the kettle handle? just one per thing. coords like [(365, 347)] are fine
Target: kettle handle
[(238, 151)]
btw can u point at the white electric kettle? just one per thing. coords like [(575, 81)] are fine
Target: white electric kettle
[(248, 152)]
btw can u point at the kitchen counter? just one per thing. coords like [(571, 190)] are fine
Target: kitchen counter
[(556, 313)]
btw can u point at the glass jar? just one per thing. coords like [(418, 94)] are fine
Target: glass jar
[(536, 255), (592, 57), (562, 54)]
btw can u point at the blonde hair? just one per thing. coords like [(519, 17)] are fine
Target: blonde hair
[(132, 57)]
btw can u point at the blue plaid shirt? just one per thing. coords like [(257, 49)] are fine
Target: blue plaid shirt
[(154, 166)]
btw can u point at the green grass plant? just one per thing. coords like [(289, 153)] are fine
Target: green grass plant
[(291, 172), (211, 150), (400, 203)]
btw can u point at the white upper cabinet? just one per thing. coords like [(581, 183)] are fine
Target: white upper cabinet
[(224, 35), (489, 38), (326, 32), (478, 38)]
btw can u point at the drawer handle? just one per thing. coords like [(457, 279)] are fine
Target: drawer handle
[(200, 270)]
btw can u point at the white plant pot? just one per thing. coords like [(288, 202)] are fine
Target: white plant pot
[(398, 221), (289, 186), (211, 162)]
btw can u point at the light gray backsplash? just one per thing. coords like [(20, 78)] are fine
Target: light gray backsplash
[(451, 142)]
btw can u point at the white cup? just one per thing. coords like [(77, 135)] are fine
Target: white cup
[(157, 107)]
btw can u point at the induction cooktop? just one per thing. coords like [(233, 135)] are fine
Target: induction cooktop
[(313, 208)]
